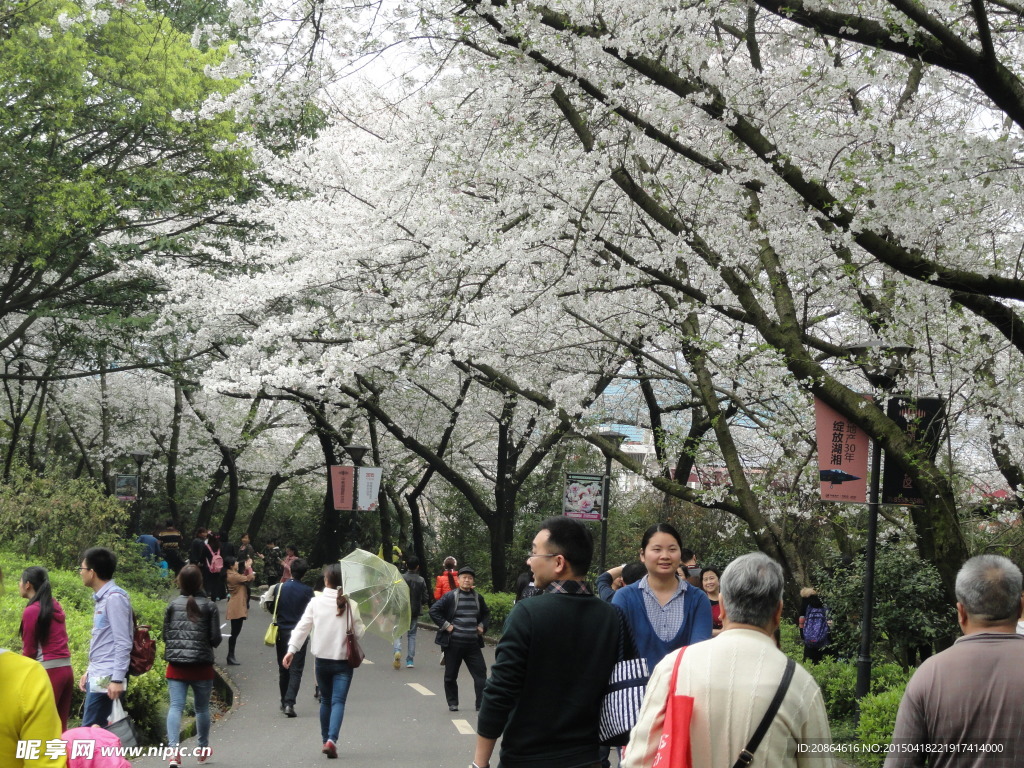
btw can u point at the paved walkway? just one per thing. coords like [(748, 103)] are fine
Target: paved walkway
[(393, 717)]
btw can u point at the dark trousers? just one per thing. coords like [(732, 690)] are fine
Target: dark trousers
[(289, 679), (236, 630), (98, 707), (454, 655)]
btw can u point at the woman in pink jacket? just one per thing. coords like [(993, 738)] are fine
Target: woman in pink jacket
[(44, 636)]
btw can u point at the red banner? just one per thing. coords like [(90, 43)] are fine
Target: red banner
[(842, 456), (343, 485)]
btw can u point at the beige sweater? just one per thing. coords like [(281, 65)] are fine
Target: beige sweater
[(733, 678)]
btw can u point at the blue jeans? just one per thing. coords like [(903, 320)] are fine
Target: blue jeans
[(411, 634), (201, 691), (334, 678), (97, 709)]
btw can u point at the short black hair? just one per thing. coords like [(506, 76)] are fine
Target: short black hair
[(685, 555), (412, 562), (571, 539), (101, 561), (633, 572), (299, 568)]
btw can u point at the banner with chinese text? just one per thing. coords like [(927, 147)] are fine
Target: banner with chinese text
[(922, 418), (367, 487), (343, 486), (842, 456)]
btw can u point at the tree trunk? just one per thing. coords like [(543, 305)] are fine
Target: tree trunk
[(232, 510), (330, 531), (172, 456), (206, 509), (259, 513)]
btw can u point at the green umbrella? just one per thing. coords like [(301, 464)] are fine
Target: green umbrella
[(380, 592)]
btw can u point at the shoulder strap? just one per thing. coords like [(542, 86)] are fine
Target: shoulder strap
[(675, 671), (277, 600), (747, 755)]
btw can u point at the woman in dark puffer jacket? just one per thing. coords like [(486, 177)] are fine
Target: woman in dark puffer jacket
[(191, 632)]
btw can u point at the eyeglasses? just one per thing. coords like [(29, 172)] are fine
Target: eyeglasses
[(84, 569), (534, 554)]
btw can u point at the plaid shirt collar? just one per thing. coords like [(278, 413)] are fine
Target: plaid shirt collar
[(569, 587)]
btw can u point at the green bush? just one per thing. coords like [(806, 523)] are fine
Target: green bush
[(54, 521), (146, 693), (909, 610), (886, 677), (789, 639), (500, 604), (877, 722), (838, 682)]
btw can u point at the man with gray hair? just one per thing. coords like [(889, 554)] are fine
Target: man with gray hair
[(733, 679), (963, 706)]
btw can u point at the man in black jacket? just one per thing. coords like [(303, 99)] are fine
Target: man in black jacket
[(552, 665), (462, 617), (291, 597)]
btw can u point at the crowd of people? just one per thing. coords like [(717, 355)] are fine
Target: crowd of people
[(213, 570), (716, 683)]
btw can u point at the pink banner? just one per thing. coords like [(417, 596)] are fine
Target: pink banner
[(842, 456), (343, 485)]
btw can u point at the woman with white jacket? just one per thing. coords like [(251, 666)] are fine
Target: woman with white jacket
[(332, 615)]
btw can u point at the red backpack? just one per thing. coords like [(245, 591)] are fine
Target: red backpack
[(140, 661)]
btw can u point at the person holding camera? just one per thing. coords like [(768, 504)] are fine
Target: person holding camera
[(272, 563)]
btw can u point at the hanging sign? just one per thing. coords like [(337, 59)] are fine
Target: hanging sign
[(584, 496), (355, 488), (126, 487), (921, 418), (842, 456), (367, 487), (343, 486)]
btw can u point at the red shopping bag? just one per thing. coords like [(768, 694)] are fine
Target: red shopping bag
[(674, 747)]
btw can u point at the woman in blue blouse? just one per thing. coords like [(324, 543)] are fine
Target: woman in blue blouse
[(663, 611)]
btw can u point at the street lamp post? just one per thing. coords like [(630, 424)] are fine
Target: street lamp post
[(868, 605), (884, 378), (140, 457), (615, 438)]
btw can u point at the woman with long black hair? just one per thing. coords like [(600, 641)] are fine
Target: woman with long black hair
[(191, 632), (331, 614), (44, 636)]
